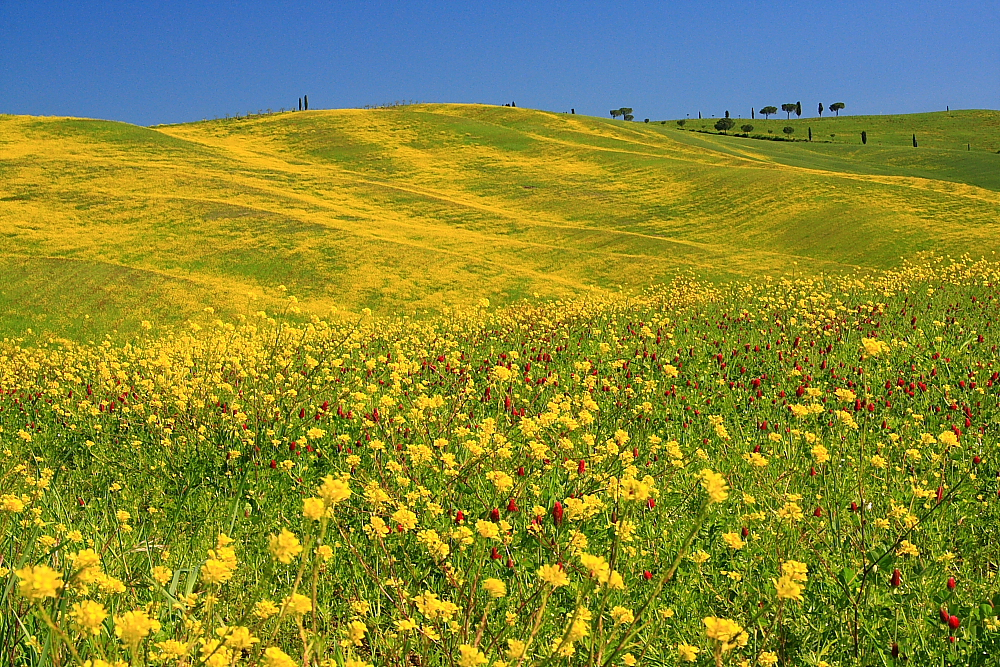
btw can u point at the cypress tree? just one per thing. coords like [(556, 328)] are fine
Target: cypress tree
[(751, 113), (306, 98), (300, 104), (914, 141), (810, 134), (864, 137)]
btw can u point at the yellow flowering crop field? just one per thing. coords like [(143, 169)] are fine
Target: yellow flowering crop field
[(787, 471), (417, 208)]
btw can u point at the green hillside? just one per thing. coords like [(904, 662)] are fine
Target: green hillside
[(415, 208)]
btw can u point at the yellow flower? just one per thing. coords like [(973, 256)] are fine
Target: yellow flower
[(846, 395), (796, 570), (878, 461), (285, 546), (333, 491), (629, 660), (265, 609), (788, 589), (9, 503), (87, 565), (470, 656), (553, 575), (215, 571), (715, 485), (874, 347), (88, 616), (821, 453), (162, 574), (171, 649), (948, 438), (501, 480), (728, 633), (487, 529), (687, 652), (356, 632), (325, 552), (495, 588), (622, 615), (313, 508), (516, 649), (298, 604), (275, 657), (405, 518), (406, 625), (907, 548), (133, 626), (597, 566), (767, 658), (39, 582), (733, 540), (237, 637), (791, 512)]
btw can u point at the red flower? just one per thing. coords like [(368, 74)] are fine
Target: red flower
[(897, 578), (953, 622), (557, 513), (952, 583)]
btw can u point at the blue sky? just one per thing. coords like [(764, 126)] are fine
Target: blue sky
[(158, 62)]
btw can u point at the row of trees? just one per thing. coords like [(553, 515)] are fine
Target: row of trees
[(625, 112), (725, 124), (796, 108)]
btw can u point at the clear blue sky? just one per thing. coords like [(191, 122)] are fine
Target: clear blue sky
[(152, 62)]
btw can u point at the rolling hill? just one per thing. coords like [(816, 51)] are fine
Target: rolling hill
[(105, 224)]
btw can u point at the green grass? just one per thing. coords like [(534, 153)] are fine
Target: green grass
[(409, 209)]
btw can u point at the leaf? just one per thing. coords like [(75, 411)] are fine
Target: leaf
[(848, 578)]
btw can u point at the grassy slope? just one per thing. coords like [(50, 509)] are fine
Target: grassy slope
[(413, 208)]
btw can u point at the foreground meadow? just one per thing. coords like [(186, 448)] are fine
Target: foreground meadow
[(784, 472)]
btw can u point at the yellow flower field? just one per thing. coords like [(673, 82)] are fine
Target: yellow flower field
[(792, 472)]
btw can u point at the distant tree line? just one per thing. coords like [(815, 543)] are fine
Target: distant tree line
[(796, 108)]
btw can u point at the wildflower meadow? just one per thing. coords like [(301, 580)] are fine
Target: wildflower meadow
[(778, 472)]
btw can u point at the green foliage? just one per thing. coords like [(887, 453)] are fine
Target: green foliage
[(768, 111), (725, 124), (747, 128), (788, 130)]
